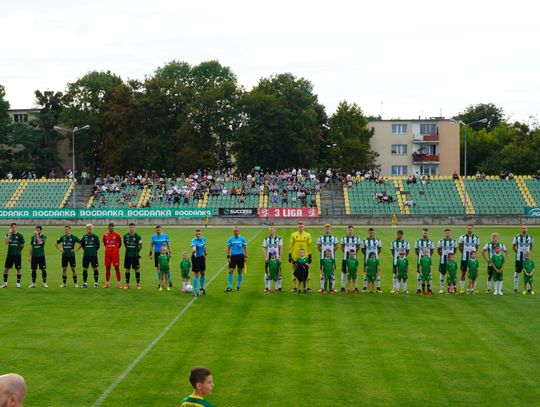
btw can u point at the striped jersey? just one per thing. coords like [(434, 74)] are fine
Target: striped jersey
[(272, 244), (523, 244), (490, 247), (470, 243), (447, 247), (396, 246), (327, 242), (371, 246), (350, 243), (424, 243)]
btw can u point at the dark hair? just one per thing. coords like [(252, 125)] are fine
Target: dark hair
[(111, 224), (13, 224), (197, 230), (371, 230), (158, 226), (39, 227), (447, 230), (67, 226), (131, 224), (350, 227), (198, 375), (470, 225), (425, 229), (400, 232)]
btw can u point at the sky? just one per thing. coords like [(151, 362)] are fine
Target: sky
[(398, 59)]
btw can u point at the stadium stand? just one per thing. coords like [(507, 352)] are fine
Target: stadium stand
[(36, 193), (363, 197), (530, 189), (495, 196)]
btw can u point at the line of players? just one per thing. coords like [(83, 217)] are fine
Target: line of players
[(494, 253)]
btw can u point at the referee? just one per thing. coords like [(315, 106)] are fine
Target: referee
[(237, 254), (198, 261)]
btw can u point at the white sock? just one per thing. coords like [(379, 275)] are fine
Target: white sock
[(500, 287), (343, 279), (268, 283), (365, 282), (333, 283), (278, 283), (442, 281), (462, 284), (404, 283), (489, 284), (378, 282), (474, 285), (322, 283), (516, 281), (419, 282), (395, 281)]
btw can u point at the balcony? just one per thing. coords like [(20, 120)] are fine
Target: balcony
[(420, 158), (425, 138)]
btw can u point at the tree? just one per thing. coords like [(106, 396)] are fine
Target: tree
[(5, 130), (489, 111), (350, 138), (83, 103), (282, 125)]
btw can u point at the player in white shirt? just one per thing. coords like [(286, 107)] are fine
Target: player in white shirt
[(327, 242), (446, 246), (490, 249), (521, 244), (348, 242), (468, 243), (418, 249), (371, 245)]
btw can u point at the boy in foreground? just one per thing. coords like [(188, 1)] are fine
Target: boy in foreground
[(497, 260), (528, 269), (352, 273), (402, 268), (203, 384), (163, 268), (372, 272), (451, 271), (273, 273), (185, 268), (328, 267)]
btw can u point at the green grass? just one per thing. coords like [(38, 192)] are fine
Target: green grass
[(270, 349)]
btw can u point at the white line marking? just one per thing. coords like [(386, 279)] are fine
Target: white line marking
[(133, 364)]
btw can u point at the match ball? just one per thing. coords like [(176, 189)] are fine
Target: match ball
[(189, 288)]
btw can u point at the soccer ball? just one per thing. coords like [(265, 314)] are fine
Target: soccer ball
[(189, 288)]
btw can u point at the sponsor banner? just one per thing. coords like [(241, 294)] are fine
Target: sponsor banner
[(238, 212), (288, 213), (532, 211), (92, 213)]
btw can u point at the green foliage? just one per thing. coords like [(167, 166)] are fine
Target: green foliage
[(474, 113), (350, 139), (283, 125)]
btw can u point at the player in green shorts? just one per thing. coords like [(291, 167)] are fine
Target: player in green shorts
[(202, 382), (328, 267), (351, 265), (425, 271), (273, 273), (497, 261), (163, 268), (472, 267), (372, 271), (185, 267), (402, 266), (451, 271), (528, 270)]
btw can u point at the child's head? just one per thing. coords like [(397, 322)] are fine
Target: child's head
[(327, 253), (185, 255), (372, 255), (497, 248), (352, 254), (451, 257), (163, 250), (528, 255), (473, 254), (402, 253), (273, 255), (425, 252), (201, 380), (301, 252)]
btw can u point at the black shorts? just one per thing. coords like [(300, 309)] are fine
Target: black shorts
[(87, 260), (198, 264), (13, 260), (131, 262), (344, 266), (490, 271), (464, 265), (156, 255), (38, 262), (68, 260), (236, 260), (519, 266)]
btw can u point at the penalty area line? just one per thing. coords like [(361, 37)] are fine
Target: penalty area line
[(154, 342)]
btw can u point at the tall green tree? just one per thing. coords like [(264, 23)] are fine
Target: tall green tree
[(83, 104), (5, 131), (350, 138), (489, 111), (283, 125)]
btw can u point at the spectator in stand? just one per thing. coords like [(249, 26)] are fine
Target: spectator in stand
[(455, 175)]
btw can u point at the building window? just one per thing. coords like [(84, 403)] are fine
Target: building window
[(399, 170), (20, 118), (399, 149), (430, 169), (428, 128), (399, 128)]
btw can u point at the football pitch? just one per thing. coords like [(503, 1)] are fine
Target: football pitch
[(78, 347)]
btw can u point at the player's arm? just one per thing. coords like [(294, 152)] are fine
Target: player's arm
[(98, 243), (439, 250), (417, 249), (119, 240), (514, 245), (343, 247), (169, 248), (280, 251), (57, 245), (228, 250), (484, 250), (6, 240), (245, 250)]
